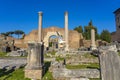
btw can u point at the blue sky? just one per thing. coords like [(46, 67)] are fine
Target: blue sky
[(23, 14)]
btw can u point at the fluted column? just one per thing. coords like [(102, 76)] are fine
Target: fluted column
[(66, 31), (40, 27)]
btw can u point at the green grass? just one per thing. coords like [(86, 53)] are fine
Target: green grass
[(59, 58), (51, 53), (83, 66), (95, 79), (47, 75), (18, 74), (88, 55), (119, 53), (3, 54), (12, 75)]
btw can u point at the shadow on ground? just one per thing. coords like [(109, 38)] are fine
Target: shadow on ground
[(47, 65), (7, 71)]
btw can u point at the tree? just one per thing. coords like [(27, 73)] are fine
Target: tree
[(18, 32), (11, 33), (4, 34), (79, 29), (106, 36), (87, 31)]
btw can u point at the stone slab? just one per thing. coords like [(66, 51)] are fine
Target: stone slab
[(34, 74)]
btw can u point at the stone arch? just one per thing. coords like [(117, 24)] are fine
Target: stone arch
[(48, 35)]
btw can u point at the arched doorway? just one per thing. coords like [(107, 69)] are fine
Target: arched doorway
[(53, 42)]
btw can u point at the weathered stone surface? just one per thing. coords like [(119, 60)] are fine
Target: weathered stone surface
[(35, 56), (110, 65), (105, 49), (66, 32), (40, 27), (33, 74), (35, 61), (79, 79), (12, 62), (17, 53), (93, 45), (73, 40), (88, 73)]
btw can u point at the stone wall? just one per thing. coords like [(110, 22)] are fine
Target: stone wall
[(12, 62), (116, 36), (16, 61), (110, 65), (20, 43), (81, 58), (67, 73), (74, 36)]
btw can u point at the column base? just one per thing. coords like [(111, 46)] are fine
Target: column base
[(66, 48), (93, 48), (34, 74)]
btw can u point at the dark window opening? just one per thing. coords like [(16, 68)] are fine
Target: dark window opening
[(119, 26), (117, 19)]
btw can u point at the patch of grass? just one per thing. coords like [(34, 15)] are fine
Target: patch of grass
[(47, 55), (59, 58), (48, 76), (83, 66), (119, 53), (3, 54), (53, 52), (13, 75), (88, 55), (18, 74), (68, 56), (94, 78)]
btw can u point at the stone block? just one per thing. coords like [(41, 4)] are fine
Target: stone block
[(34, 74)]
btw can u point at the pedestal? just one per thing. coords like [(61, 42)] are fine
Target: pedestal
[(35, 63), (34, 74)]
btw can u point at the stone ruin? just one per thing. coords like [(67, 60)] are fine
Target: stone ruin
[(6, 45)]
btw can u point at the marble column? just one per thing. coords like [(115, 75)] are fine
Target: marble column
[(66, 31), (93, 46), (40, 27)]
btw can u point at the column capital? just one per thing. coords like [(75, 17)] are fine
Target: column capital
[(66, 12), (40, 13)]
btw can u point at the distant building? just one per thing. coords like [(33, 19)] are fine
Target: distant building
[(116, 35)]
